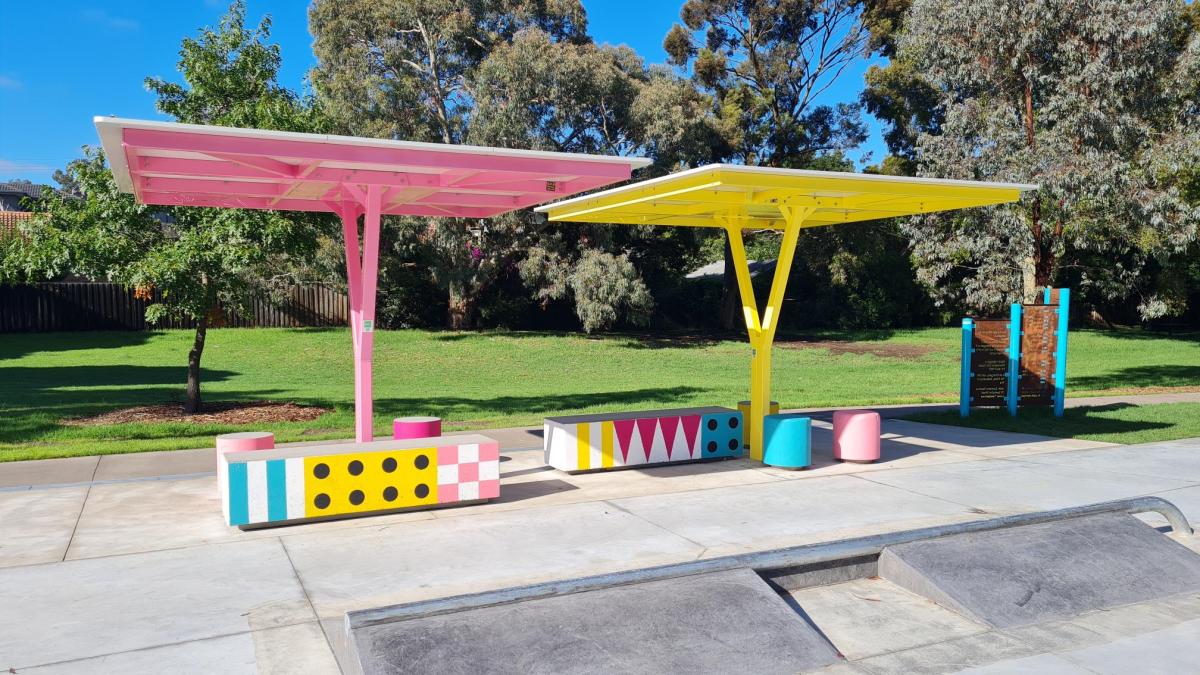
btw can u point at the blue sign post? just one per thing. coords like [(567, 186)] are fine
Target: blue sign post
[(1060, 348), (1014, 357), (964, 390)]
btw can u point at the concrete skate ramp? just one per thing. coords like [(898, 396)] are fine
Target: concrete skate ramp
[(1034, 573), (720, 622)]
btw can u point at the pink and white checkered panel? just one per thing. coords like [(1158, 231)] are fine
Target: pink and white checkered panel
[(468, 472)]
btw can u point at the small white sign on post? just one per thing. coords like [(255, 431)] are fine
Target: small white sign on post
[(368, 326)]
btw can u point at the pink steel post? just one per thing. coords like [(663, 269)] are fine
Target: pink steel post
[(192, 165)]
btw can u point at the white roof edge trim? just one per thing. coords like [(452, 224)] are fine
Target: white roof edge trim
[(123, 123), (1024, 187), (109, 128)]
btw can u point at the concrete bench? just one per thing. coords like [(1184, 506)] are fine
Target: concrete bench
[(621, 440), (338, 480)]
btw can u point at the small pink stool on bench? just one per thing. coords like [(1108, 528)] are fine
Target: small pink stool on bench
[(416, 427), (856, 435), (246, 440)]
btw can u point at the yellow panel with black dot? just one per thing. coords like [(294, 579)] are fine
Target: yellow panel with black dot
[(370, 481)]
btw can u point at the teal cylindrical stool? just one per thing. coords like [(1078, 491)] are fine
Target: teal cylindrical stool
[(787, 441)]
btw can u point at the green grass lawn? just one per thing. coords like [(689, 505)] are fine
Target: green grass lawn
[(480, 380), (1120, 423)]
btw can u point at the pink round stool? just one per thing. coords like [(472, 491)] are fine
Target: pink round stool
[(416, 427), (245, 440), (240, 442), (856, 435)]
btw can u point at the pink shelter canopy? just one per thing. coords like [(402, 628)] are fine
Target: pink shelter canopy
[(171, 164)]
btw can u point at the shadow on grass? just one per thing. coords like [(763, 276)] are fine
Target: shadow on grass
[(17, 345), (459, 407), (1089, 421), (1142, 334), (34, 399), (1141, 376), (679, 339)]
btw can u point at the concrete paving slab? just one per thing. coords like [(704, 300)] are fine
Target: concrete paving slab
[(86, 608), (950, 656), (1054, 636), (783, 513), (895, 452), (1035, 573), (868, 617), (36, 526), (1042, 664), (140, 516), (982, 442), (289, 650), (155, 464), (1117, 623), (1180, 461), (710, 623), (1016, 486), (361, 568), (510, 439), (533, 487), (47, 471), (1169, 651)]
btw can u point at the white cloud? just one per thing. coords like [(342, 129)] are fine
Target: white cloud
[(103, 18), (15, 169), (7, 82)]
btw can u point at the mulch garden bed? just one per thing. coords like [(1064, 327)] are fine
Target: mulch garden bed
[(250, 412), (882, 350)]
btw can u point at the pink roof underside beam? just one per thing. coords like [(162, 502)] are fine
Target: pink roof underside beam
[(188, 165), (189, 169)]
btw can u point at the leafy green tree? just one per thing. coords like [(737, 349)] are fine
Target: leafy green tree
[(1093, 101), (765, 63), (200, 259), (508, 74)]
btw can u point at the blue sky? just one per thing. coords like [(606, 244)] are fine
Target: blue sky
[(63, 62)]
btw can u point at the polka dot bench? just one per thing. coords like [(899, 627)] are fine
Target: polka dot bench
[(623, 440), (338, 480)]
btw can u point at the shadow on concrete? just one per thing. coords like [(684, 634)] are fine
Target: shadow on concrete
[(516, 492)]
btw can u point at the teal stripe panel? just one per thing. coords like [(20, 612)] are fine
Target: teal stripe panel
[(239, 508), (276, 490)]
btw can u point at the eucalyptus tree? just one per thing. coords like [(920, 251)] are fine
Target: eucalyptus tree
[(510, 74), (766, 64), (1096, 102)]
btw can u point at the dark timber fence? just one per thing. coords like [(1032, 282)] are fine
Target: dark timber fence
[(71, 306)]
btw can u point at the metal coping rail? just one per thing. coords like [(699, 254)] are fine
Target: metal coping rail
[(794, 556)]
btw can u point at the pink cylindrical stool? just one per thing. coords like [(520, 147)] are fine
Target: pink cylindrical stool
[(416, 427), (245, 440), (856, 435)]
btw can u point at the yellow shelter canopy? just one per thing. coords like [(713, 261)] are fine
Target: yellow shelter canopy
[(736, 197), (720, 195)]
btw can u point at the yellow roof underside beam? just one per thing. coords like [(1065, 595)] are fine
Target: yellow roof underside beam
[(758, 197)]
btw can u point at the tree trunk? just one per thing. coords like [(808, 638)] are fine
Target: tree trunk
[(191, 405), (460, 312), (731, 299), (1043, 251)]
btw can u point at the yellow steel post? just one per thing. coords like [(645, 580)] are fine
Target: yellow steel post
[(750, 315), (762, 331)]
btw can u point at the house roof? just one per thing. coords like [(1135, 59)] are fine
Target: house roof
[(720, 195), (197, 165), (32, 190)]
